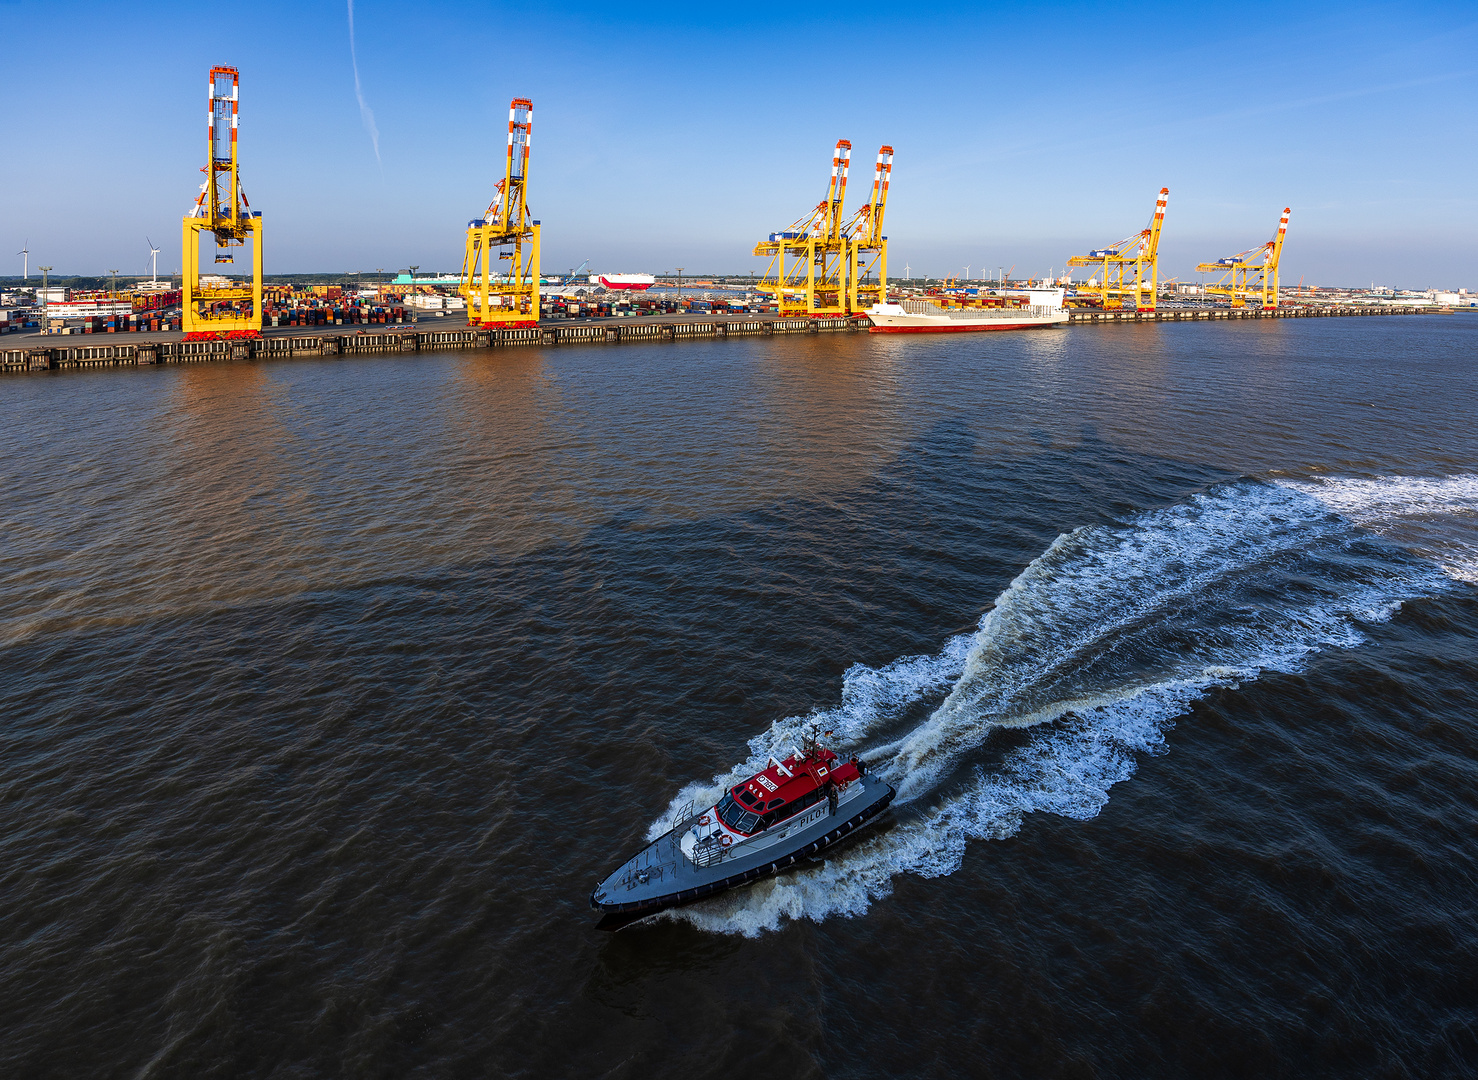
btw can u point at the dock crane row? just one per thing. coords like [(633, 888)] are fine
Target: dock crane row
[(820, 264), (1140, 251), (824, 265), (505, 298), (219, 307), (1242, 281)]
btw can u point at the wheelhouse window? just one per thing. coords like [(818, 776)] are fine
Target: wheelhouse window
[(779, 810), (746, 797), (735, 816), (790, 810)]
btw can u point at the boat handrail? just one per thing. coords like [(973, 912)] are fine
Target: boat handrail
[(929, 307), (921, 307), (685, 814), (710, 852), (1031, 311)]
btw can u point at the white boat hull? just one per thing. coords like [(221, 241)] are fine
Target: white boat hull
[(893, 319)]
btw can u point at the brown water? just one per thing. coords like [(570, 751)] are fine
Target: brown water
[(330, 688)]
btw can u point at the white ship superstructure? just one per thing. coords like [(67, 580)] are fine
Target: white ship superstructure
[(927, 317)]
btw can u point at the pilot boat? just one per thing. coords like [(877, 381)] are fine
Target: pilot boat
[(786, 813)]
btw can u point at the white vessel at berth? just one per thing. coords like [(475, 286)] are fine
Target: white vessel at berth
[(1040, 308), (636, 282)]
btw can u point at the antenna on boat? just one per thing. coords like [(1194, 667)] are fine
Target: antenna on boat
[(811, 742)]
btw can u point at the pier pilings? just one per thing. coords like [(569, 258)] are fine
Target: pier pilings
[(1078, 316), (51, 357)]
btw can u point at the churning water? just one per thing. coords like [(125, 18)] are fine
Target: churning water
[(1103, 640)]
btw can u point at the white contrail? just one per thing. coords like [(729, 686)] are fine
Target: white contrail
[(366, 114)]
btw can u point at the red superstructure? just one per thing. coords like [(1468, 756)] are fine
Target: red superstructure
[(783, 789)]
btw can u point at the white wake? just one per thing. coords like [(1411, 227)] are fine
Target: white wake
[(1436, 517), (1097, 645)]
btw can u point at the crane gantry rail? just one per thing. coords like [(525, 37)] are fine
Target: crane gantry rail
[(1242, 281), (505, 299), (221, 209), (1139, 251)]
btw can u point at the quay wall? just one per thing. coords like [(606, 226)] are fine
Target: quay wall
[(94, 354)]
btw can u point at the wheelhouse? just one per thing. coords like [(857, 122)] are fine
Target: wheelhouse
[(782, 790)]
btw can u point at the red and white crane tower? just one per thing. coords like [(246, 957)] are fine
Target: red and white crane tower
[(505, 298), (869, 251), (807, 274), (1139, 252), (1242, 281), (219, 305)]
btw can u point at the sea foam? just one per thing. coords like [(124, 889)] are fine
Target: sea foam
[(1096, 647)]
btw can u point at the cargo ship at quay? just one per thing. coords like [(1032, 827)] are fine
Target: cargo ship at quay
[(1039, 309)]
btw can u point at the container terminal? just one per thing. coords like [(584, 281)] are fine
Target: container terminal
[(825, 270)]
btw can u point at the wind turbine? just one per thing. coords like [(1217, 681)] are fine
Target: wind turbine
[(907, 271), (154, 256), (967, 273), (25, 253)]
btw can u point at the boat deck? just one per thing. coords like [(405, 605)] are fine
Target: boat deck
[(660, 876)]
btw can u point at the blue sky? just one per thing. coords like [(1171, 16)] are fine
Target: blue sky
[(677, 135)]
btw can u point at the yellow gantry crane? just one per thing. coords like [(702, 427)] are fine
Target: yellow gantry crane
[(506, 298), (869, 248), (807, 274), (1242, 281), (1113, 263), (219, 306)]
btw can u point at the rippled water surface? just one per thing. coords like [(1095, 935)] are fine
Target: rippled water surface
[(329, 689)]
